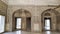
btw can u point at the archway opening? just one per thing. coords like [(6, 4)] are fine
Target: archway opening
[(21, 20), (47, 24), (49, 20), (18, 22), (2, 23)]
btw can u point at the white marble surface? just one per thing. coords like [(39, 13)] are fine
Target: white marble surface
[(24, 32)]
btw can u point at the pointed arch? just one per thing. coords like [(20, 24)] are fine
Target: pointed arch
[(24, 14), (50, 13)]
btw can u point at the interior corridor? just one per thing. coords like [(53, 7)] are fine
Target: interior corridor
[(25, 32)]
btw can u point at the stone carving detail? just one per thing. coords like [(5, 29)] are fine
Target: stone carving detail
[(47, 14)]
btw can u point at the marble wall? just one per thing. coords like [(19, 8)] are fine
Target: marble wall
[(35, 11)]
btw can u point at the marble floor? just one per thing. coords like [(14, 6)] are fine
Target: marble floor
[(24, 32)]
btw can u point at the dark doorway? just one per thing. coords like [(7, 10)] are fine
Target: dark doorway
[(28, 24), (18, 23), (47, 24)]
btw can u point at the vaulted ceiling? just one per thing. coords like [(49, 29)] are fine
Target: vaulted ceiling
[(32, 2)]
